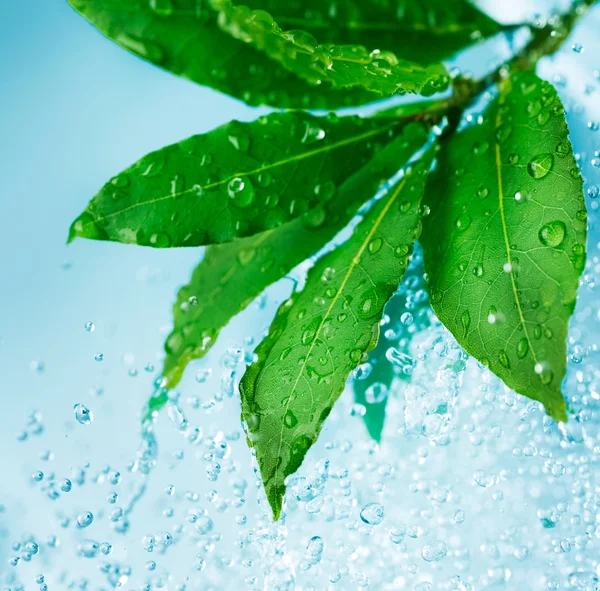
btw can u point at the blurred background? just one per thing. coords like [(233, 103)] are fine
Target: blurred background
[(74, 110)]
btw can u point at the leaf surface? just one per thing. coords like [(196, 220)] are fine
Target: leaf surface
[(232, 275), (182, 37), (237, 180), (424, 32), (505, 242), (343, 66), (323, 332)]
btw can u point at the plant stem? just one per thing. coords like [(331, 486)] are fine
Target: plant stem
[(545, 41)]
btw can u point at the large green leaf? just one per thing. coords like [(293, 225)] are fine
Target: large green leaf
[(390, 359), (380, 72), (235, 181), (424, 32), (505, 242), (182, 36), (323, 332), (231, 275)]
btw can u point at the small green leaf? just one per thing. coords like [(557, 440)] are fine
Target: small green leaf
[(237, 180), (182, 37), (232, 275), (411, 298), (424, 32), (323, 332), (377, 71), (505, 242)]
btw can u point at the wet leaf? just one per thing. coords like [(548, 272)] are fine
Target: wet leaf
[(182, 37), (373, 390), (232, 275), (323, 332), (237, 180), (424, 32), (505, 242), (341, 65)]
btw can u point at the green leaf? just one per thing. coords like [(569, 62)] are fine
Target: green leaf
[(424, 32), (372, 391), (237, 180), (380, 72), (323, 332), (182, 37), (232, 275), (505, 242)]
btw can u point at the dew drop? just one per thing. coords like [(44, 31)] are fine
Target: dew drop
[(539, 166), (522, 348), (553, 233)]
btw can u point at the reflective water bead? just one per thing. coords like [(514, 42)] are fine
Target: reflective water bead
[(85, 519), (434, 551), (372, 513), (83, 414)]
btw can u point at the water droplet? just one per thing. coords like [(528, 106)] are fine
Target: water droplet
[(160, 240), (312, 133), (85, 519), (434, 551), (503, 359), (83, 414), (553, 234), (241, 191), (522, 348), (484, 479), (540, 165), (99, 356), (372, 513), (465, 319), (148, 51), (90, 326), (375, 245), (376, 393), (463, 222), (577, 48)]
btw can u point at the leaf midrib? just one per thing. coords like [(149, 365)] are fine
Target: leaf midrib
[(295, 158), (353, 264), (504, 224)]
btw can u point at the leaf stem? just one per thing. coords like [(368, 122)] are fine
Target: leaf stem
[(545, 41)]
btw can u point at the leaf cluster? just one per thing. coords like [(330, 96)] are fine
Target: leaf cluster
[(497, 205)]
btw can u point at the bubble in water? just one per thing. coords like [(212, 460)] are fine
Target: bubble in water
[(85, 519), (372, 513), (83, 414), (434, 551)]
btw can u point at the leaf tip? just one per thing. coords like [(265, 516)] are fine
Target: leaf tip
[(276, 502), (558, 411)]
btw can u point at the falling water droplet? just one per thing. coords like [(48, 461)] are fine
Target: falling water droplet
[(434, 551), (85, 519), (372, 513), (83, 414)]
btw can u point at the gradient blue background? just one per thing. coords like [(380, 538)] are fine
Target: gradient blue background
[(74, 110)]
